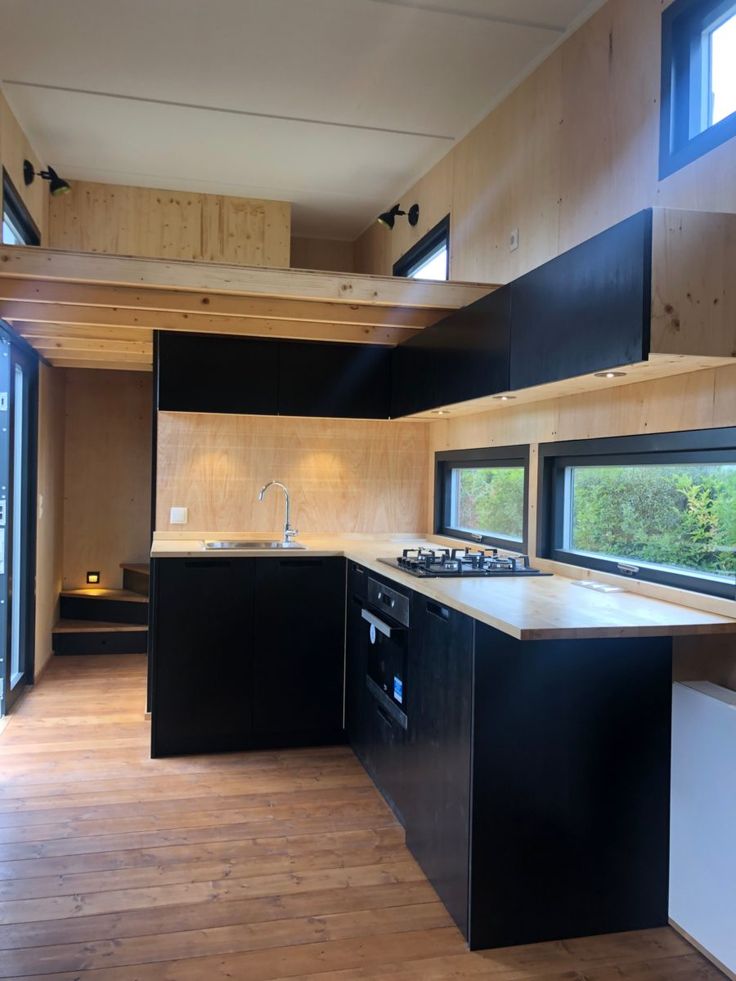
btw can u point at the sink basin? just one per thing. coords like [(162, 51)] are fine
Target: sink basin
[(230, 545)]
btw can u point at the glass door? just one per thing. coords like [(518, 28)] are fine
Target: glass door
[(18, 385)]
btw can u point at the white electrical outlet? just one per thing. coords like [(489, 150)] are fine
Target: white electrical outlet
[(514, 240), (178, 516)]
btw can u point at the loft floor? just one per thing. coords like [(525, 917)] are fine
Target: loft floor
[(255, 866)]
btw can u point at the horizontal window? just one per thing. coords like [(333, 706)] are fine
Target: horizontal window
[(481, 496), (659, 508)]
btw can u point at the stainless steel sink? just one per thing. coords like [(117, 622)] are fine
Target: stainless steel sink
[(231, 545)]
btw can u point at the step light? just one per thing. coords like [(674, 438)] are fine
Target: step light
[(93, 578)]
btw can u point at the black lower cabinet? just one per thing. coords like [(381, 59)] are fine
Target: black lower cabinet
[(202, 656), (437, 812), (246, 653), (299, 649), (570, 798)]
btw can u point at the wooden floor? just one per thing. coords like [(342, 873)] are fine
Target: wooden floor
[(252, 866)]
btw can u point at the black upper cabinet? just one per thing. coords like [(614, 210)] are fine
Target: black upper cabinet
[(587, 310), (334, 380), (464, 356), (299, 649), (201, 373), (204, 373)]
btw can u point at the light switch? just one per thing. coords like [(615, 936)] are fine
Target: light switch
[(178, 516)]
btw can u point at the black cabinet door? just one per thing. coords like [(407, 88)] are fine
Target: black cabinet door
[(465, 356), (202, 373), (378, 740), (438, 761), (335, 380), (299, 645), (571, 787), (586, 310), (202, 656)]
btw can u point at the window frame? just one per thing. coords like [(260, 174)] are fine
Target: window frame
[(424, 248), (20, 217), (691, 446), (683, 25), (495, 456)]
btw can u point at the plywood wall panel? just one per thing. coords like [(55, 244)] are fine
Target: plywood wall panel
[(322, 253), (155, 223), (50, 513), (344, 475), (107, 474), (568, 153), (14, 149)]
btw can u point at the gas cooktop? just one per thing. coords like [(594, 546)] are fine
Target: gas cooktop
[(430, 563)]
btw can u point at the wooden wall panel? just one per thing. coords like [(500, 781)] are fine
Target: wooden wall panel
[(50, 516), (568, 153), (107, 474), (155, 223), (322, 253), (14, 149), (343, 475)]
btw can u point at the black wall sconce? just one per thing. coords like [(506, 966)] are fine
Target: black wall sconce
[(388, 218), (57, 185)]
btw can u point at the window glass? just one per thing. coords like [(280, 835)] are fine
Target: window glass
[(721, 48), (433, 266), (679, 516), (488, 501), (11, 234)]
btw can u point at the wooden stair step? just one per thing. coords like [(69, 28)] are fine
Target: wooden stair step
[(137, 577), (66, 625), (98, 593), (98, 604), (71, 636)]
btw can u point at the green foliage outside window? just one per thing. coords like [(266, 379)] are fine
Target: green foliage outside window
[(675, 515), (489, 500)]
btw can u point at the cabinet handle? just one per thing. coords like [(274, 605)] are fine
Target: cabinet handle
[(441, 612), (358, 570)]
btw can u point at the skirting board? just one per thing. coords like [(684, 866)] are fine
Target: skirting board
[(699, 947)]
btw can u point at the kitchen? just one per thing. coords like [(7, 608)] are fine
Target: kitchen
[(426, 558)]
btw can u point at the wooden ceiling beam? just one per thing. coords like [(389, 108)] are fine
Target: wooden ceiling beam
[(105, 365), (54, 354), (60, 316), (136, 301), (81, 331), (205, 277), (51, 346)]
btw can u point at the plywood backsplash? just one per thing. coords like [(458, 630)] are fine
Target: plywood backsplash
[(344, 475)]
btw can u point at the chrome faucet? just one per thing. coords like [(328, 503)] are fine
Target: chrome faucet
[(289, 532)]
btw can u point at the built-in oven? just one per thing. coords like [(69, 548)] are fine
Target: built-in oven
[(385, 614)]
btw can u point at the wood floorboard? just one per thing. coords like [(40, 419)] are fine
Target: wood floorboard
[(258, 866)]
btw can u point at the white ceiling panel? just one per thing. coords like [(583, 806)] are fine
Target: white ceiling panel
[(181, 93)]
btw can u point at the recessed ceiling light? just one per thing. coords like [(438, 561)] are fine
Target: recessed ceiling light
[(440, 412), (610, 374), (504, 398)]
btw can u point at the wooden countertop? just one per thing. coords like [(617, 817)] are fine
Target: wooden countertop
[(545, 608)]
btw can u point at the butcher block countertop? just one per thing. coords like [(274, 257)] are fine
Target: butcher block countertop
[(537, 608)]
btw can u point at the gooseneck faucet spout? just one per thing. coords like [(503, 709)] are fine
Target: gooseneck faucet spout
[(289, 532)]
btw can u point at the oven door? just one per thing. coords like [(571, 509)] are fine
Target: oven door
[(386, 660)]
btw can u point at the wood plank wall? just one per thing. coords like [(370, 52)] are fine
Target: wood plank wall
[(155, 223), (50, 513), (107, 474), (331, 255), (15, 147), (571, 151), (344, 475)]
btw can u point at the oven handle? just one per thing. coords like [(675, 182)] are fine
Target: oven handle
[(374, 621)]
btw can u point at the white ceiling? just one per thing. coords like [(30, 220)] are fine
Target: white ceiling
[(334, 105)]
